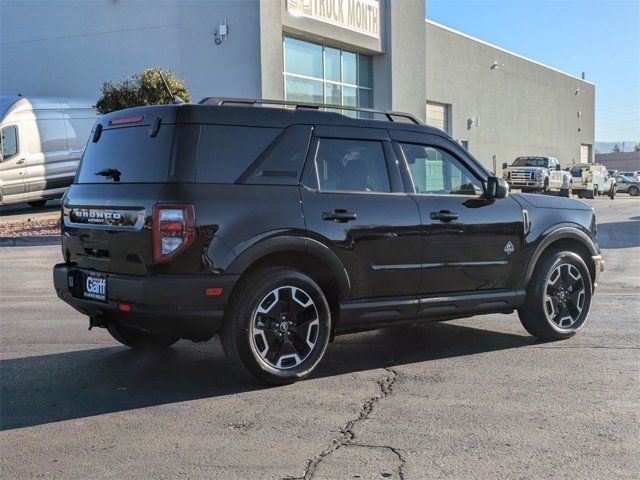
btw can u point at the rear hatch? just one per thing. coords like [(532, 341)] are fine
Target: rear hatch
[(107, 212)]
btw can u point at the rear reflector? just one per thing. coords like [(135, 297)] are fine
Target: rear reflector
[(213, 292), (124, 307), (125, 120), (173, 230)]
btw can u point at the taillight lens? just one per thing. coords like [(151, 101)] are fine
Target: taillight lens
[(174, 229)]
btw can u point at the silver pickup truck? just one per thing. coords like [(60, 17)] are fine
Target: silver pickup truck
[(530, 173)]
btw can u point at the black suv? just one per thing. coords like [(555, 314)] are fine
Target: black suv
[(279, 226)]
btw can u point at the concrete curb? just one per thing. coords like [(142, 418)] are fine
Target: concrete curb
[(30, 241)]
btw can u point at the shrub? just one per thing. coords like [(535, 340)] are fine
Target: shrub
[(144, 88)]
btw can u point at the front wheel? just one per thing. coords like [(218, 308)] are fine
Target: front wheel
[(277, 326), (139, 339), (633, 191), (558, 297)]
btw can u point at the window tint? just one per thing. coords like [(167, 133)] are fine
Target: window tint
[(9, 141), (138, 157), (281, 163), (351, 165), (226, 152), (436, 171)]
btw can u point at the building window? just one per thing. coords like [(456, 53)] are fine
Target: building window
[(319, 74)]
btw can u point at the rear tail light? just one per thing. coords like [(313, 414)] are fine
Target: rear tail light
[(173, 230)]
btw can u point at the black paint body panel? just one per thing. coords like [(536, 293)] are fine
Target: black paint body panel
[(391, 263)]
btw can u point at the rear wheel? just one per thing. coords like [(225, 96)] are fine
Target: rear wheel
[(277, 326), (633, 191), (37, 203), (558, 297), (139, 339)]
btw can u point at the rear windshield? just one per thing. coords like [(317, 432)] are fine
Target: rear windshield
[(530, 162), (130, 153)]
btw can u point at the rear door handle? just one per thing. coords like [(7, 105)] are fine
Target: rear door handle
[(444, 216), (339, 215)]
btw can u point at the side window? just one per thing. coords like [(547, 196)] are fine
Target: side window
[(225, 152), (281, 163), (436, 171), (53, 136), (351, 165), (9, 137)]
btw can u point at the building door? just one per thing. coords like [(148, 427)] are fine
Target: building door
[(438, 116), (585, 153)]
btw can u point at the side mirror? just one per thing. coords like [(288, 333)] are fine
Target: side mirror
[(558, 167), (497, 188), (504, 166)]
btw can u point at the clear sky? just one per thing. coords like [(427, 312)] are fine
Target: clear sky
[(601, 38)]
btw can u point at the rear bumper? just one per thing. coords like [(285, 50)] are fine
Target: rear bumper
[(175, 305)]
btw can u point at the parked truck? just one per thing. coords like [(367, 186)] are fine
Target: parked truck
[(589, 180), (537, 174)]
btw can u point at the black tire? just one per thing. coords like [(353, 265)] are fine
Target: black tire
[(612, 192), (565, 192), (139, 339), (633, 191), (538, 314), (37, 203), (254, 342)]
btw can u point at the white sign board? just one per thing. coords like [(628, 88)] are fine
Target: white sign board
[(361, 16)]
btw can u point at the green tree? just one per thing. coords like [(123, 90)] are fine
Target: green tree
[(146, 88), (616, 148)]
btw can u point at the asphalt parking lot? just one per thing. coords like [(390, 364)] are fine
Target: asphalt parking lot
[(473, 398)]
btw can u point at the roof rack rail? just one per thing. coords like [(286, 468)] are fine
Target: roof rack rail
[(388, 114)]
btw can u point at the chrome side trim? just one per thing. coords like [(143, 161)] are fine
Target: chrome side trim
[(406, 266)]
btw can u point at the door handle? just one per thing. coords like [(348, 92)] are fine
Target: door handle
[(444, 216), (20, 162), (339, 215)]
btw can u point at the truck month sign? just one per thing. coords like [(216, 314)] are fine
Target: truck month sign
[(361, 16)]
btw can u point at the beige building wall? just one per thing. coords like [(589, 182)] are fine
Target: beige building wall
[(504, 104)]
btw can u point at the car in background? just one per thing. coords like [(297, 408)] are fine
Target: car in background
[(41, 143), (628, 184), (634, 176)]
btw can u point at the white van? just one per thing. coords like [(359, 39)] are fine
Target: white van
[(42, 141)]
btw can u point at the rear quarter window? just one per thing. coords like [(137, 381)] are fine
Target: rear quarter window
[(225, 152)]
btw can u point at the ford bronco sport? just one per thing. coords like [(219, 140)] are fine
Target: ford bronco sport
[(279, 226)]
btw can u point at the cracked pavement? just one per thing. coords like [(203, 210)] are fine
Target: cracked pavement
[(472, 398)]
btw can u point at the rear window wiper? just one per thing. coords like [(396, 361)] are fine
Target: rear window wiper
[(110, 173)]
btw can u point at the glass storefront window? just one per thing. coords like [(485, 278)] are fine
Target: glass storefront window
[(303, 90), (319, 74), (332, 64), (349, 68), (303, 58)]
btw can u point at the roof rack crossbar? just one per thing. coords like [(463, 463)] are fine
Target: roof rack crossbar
[(388, 114)]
